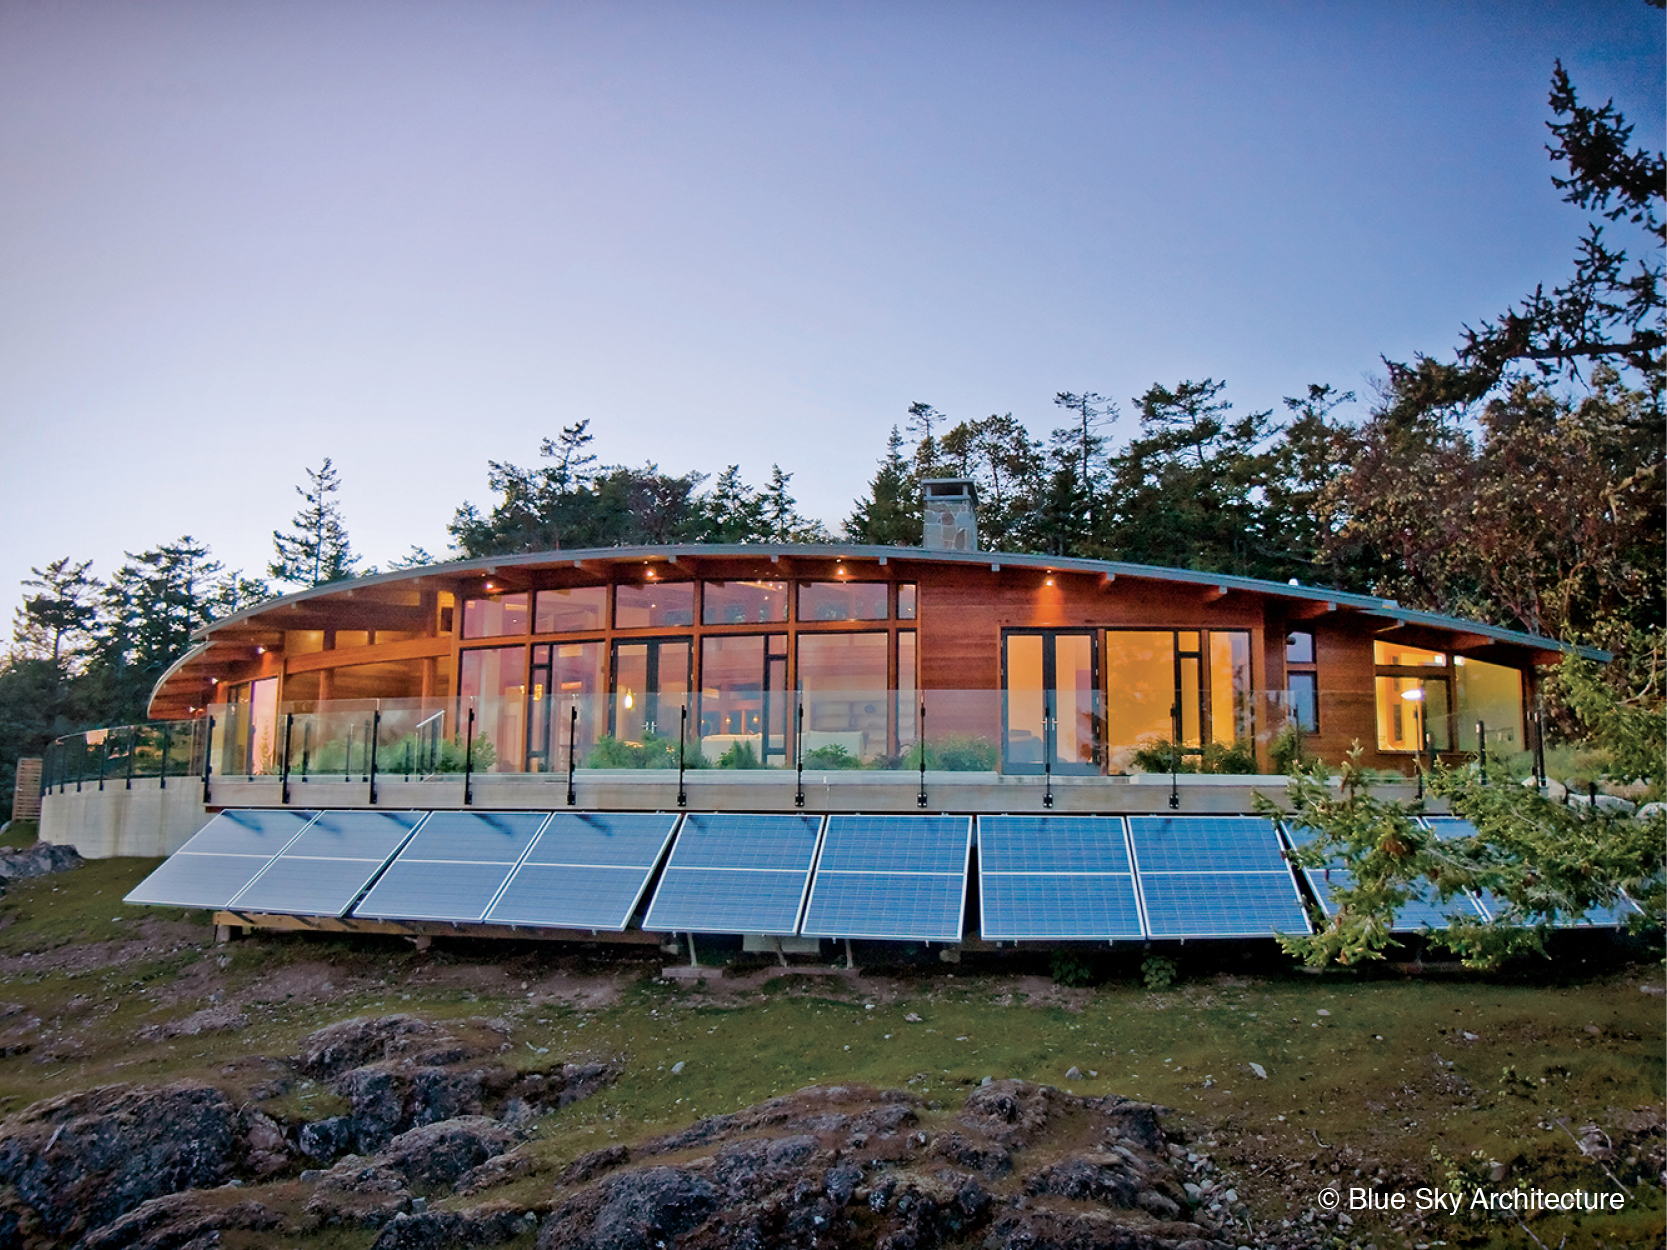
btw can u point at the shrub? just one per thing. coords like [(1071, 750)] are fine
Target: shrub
[(739, 755), (1158, 973), (831, 756), (1161, 756), (1073, 968)]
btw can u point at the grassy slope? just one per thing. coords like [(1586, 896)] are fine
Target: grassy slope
[(1378, 1084)]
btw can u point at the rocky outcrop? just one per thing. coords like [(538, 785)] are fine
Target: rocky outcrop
[(82, 1160), (850, 1166), (182, 1222), (36, 861), (435, 1155)]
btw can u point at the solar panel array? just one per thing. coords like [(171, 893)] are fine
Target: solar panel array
[(891, 877), (1451, 828), (1213, 877), (736, 873), (886, 877), (1417, 914), (1056, 877)]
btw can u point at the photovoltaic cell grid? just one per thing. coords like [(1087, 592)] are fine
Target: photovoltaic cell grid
[(453, 868), (1214, 876), (1450, 828), (891, 877), (221, 858), (325, 870), (736, 873), (1042, 877), (1417, 914), (587, 870)]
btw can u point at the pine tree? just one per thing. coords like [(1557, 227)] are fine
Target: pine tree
[(316, 550), (890, 515)]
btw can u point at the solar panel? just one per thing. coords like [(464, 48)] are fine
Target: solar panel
[(1418, 913), (891, 877), (1214, 877), (221, 858), (453, 867), (1043, 877), (1451, 828), (586, 870), (735, 873), (325, 869)]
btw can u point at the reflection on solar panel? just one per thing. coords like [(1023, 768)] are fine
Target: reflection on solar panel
[(221, 858), (891, 877), (326, 869), (1214, 876), (586, 870), (453, 867), (1421, 912), (1045, 877), (732, 873), (1451, 828)]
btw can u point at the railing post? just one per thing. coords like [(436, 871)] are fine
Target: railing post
[(799, 753), (132, 750), (1482, 750), (1175, 755), (347, 761), (572, 754), (375, 742), (103, 759), (289, 734), (1050, 735), (162, 768), (208, 760), (469, 761), (682, 734), (920, 799), (306, 747), (81, 763)]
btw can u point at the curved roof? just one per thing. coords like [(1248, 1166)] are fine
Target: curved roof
[(385, 592)]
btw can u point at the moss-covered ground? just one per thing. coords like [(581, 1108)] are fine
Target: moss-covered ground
[(1394, 1080)]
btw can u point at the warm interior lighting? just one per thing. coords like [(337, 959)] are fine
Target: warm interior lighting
[(1049, 582), (651, 572), (1415, 695), (490, 586), (260, 650), (630, 701)]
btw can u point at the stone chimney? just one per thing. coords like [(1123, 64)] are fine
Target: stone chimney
[(950, 505)]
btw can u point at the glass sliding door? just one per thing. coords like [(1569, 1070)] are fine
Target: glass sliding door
[(650, 687), (565, 677), (492, 683), (1051, 706), (743, 706)]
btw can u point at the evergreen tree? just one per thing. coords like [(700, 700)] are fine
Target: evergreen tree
[(889, 516), (732, 511), (316, 550), (1081, 444), (52, 624)]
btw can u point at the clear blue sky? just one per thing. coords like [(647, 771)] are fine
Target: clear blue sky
[(236, 238)]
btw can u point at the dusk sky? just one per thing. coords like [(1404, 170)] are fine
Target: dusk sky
[(236, 238)]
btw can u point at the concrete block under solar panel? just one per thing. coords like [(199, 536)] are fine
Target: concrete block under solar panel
[(922, 907), (886, 844), (248, 832), (1027, 907), (355, 835), (613, 839), (727, 900), (1052, 844), (474, 837), (1222, 905), (1205, 843), (570, 896)]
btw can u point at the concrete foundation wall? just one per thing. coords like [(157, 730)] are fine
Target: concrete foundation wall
[(144, 821)]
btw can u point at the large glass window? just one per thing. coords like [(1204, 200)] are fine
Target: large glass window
[(1302, 682), (1414, 699), (742, 703), (1491, 694), (739, 603), (654, 604), (577, 609), (566, 678), (906, 599), (843, 601), (492, 681), (1051, 707), (1230, 692), (844, 684), (496, 617), (1140, 692)]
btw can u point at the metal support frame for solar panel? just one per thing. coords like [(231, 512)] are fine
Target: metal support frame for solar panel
[(891, 878), (1414, 916), (221, 858), (328, 868), (733, 872), (1232, 866), (1449, 828), (1056, 878), (454, 868), (585, 870)]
